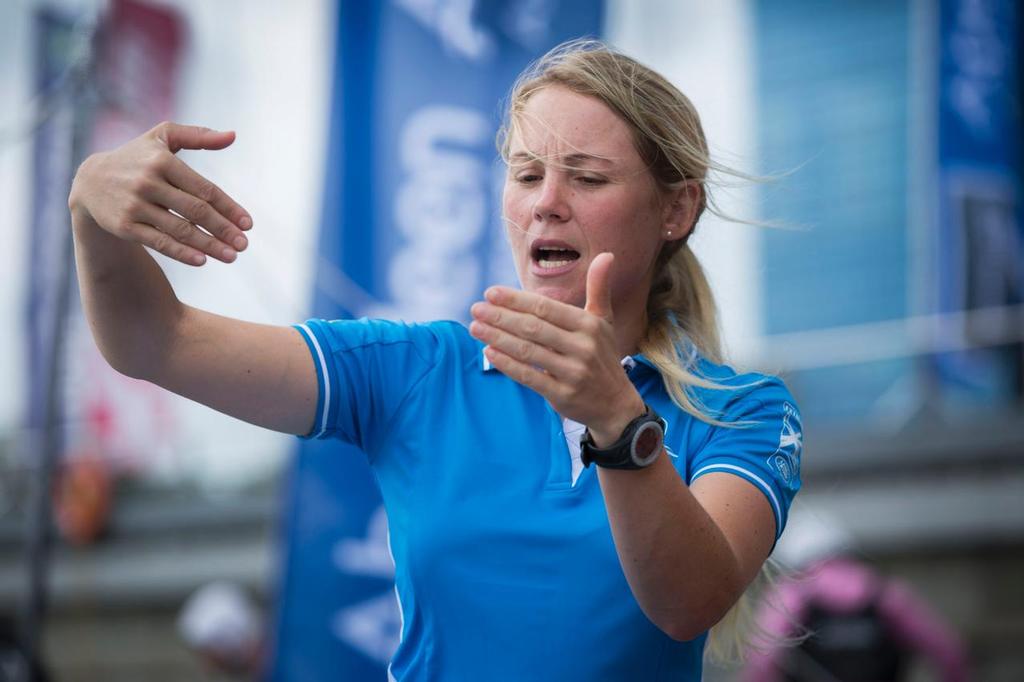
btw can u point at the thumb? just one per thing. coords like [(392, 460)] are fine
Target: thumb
[(178, 137), (599, 288)]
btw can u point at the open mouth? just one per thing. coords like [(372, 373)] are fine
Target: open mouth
[(551, 256)]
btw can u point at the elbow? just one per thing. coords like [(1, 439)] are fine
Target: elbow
[(686, 629), (122, 363), (126, 356), (682, 632), (138, 350), (688, 622)]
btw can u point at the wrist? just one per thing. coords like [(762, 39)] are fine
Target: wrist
[(81, 219), (75, 195), (636, 447), (607, 431)]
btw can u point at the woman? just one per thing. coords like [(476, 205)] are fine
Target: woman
[(513, 559)]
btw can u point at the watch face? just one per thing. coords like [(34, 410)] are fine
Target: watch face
[(647, 443)]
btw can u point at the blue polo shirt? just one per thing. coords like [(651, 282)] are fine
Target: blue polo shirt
[(506, 569)]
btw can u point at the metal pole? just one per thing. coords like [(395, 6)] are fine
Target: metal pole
[(39, 522), (40, 512)]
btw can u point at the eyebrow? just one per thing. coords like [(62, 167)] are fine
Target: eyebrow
[(568, 160)]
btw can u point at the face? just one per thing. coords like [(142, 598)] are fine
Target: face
[(576, 187)]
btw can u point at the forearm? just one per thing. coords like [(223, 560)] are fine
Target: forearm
[(678, 563), (130, 305)]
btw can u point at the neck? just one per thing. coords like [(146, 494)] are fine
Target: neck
[(628, 332)]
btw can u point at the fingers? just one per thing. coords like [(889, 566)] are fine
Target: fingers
[(599, 299), (186, 233), (599, 290), (166, 244), (521, 372), (557, 313), (524, 350), (178, 137), (526, 326), (199, 212), (142, 192), (179, 174)]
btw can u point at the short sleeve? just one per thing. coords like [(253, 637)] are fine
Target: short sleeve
[(762, 444), (365, 370)]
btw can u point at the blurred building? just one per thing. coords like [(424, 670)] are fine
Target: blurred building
[(894, 302), (887, 287)]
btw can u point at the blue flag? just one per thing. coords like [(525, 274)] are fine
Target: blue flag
[(979, 251)]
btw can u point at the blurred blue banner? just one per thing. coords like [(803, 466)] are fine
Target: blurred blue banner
[(980, 249), (410, 230), (53, 166)]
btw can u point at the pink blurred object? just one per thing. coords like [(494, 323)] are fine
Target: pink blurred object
[(860, 620)]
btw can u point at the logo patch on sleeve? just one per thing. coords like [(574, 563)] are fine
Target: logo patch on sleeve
[(785, 461)]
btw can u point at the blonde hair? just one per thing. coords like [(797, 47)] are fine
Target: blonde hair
[(681, 311)]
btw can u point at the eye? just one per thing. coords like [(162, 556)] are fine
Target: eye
[(528, 178), (591, 180)]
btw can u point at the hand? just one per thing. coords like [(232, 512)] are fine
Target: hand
[(566, 354), (131, 191)]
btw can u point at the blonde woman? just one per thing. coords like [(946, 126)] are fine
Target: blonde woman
[(576, 489)]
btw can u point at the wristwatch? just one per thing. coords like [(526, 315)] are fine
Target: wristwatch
[(638, 446)]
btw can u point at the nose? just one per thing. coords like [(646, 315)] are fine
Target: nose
[(551, 202)]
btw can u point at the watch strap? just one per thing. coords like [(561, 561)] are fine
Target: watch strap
[(618, 454)]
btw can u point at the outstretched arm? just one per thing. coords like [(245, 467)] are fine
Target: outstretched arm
[(123, 200)]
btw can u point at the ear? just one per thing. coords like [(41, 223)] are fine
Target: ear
[(680, 211)]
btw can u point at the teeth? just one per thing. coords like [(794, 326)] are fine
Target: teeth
[(551, 257)]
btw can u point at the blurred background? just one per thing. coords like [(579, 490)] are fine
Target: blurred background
[(143, 535)]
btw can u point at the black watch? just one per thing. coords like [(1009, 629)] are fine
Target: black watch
[(639, 445)]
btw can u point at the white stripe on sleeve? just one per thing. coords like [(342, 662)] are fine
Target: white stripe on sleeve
[(323, 372)]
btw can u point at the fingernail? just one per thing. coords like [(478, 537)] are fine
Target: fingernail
[(245, 223), (198, 259), (228, 254), (241, 242)]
